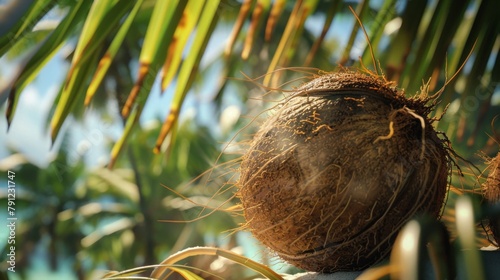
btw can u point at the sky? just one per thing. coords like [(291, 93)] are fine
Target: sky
[(27, 133)]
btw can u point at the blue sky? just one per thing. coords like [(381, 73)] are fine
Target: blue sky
[(27, 133)]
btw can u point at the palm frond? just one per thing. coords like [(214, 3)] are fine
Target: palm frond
[(158, 33)]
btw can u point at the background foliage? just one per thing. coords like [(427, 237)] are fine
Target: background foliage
[(123, 53)]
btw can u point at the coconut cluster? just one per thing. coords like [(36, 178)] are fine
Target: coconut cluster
[(342, 164)]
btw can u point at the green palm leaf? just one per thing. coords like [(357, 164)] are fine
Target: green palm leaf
[(176, 49), (110, 54), (430, 33), (103, 16), (294, 28), (43, 54), (161, 28), (188, 70), (21, 25)]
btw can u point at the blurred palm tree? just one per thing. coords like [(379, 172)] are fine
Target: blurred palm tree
[(123, 47), (95, 217)]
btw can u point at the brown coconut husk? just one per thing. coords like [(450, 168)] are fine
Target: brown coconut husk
[(342, 165)]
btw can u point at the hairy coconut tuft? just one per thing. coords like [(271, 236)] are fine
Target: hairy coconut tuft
[(343, 163)]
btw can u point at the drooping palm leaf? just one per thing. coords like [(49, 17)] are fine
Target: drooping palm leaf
[(258, 17), (127, 131), (97, 25), (187, 72), (301, 11), (430, 47), (176, 49), (245, 8), (166, 15), (110, 54), (21, 25), (48, 49), (274, 16), (428, 34)]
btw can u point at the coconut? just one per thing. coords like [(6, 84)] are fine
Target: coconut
[(492, 195), (343, 163)]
